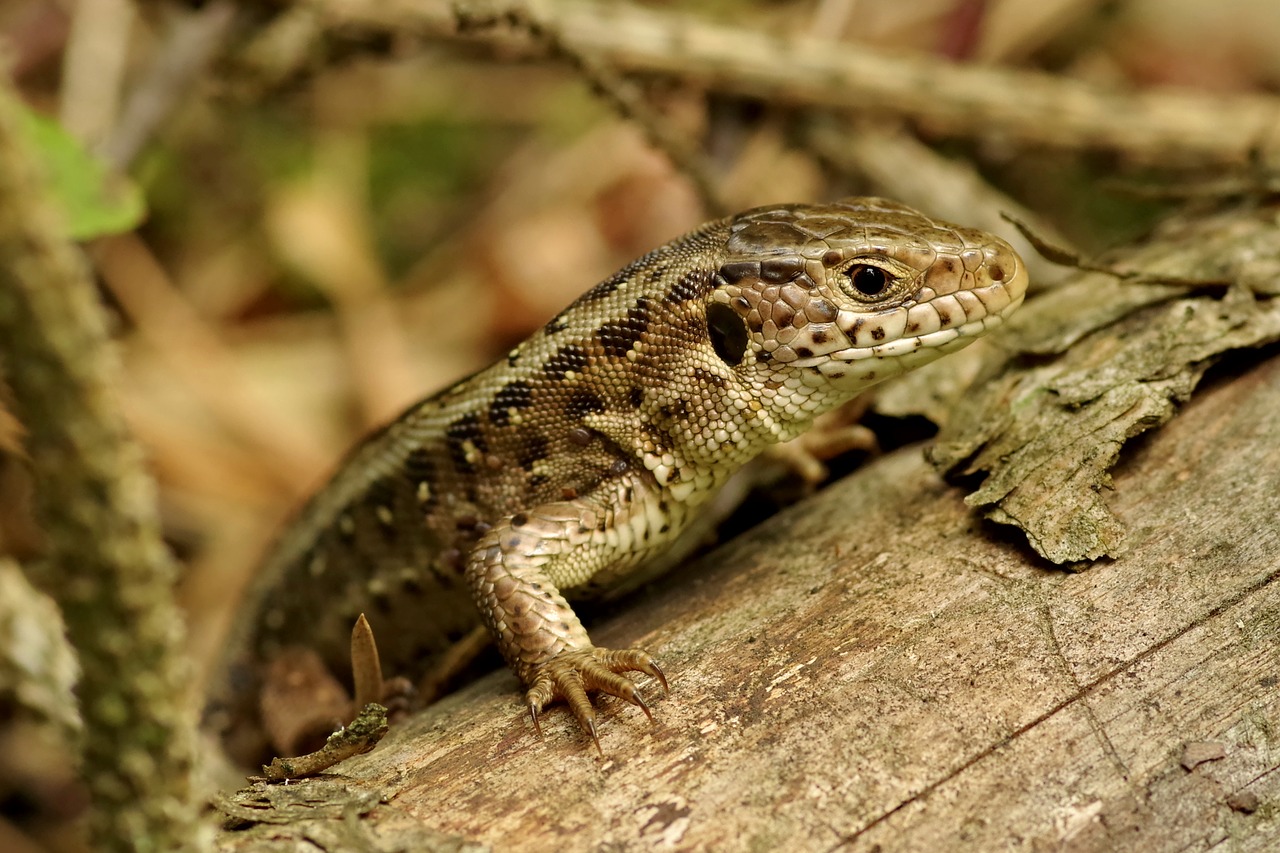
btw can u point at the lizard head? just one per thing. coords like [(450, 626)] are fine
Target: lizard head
[(841, 296)]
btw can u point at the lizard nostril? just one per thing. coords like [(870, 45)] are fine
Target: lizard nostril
[(996, 272)]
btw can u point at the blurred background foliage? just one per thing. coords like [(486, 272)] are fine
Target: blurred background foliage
[(329, 238)]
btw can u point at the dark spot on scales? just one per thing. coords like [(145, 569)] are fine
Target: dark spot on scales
[(568, 357), (513, 395), (601, 290), (621, 335), (635, 396), (877, 334), (418, 465), (691, 286), (677, 410), (381, 492), (557, 324), (534, 449), (727, 332), (465, 429), (583, 403), (709, 379), (819, 336)]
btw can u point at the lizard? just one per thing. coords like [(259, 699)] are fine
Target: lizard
[(582, 459)]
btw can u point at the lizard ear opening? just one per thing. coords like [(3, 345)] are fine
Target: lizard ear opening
[(728, 333)]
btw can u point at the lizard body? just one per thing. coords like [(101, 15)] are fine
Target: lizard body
[(582, 455)]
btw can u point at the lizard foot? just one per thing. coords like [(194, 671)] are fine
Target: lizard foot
[(569, 675)]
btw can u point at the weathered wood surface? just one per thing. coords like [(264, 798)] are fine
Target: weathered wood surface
[(875, 667), (879, 669)]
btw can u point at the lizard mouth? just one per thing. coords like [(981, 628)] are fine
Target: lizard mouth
[(962, 318)]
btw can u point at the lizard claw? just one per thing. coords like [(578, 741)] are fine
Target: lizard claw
[(657, 673), (643, 706), (591, 727), (569, 675)]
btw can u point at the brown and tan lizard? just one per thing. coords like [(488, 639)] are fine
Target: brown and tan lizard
[(576, 462)]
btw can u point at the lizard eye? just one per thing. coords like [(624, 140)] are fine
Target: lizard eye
[(868, 280)]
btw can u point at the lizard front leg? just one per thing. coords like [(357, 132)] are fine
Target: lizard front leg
[(513, 572)]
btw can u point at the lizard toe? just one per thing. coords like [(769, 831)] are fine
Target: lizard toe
[(569, 677), (632, 660)]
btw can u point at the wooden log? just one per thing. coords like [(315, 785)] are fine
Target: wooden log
[(876, 668)]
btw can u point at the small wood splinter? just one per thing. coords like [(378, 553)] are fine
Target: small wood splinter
[(362, 735)]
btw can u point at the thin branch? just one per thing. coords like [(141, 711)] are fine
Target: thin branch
[(192, 42), (617, 91), (362, 735), (93, 66), (1164, 126)]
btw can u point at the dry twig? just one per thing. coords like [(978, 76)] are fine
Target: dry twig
[(1163, 126), (618, 92)]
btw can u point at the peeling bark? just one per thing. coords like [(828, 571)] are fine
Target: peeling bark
[(1098, 362)]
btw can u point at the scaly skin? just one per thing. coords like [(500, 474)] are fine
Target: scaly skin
[(582, 455)]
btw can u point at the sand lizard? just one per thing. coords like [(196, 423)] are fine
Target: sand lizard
[(580, 457)]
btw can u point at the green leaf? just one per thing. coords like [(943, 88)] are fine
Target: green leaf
[(94, 200)]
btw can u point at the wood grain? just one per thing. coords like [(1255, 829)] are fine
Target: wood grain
[(875, 668)]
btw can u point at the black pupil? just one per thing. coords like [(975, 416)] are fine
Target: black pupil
[(869, 281)]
